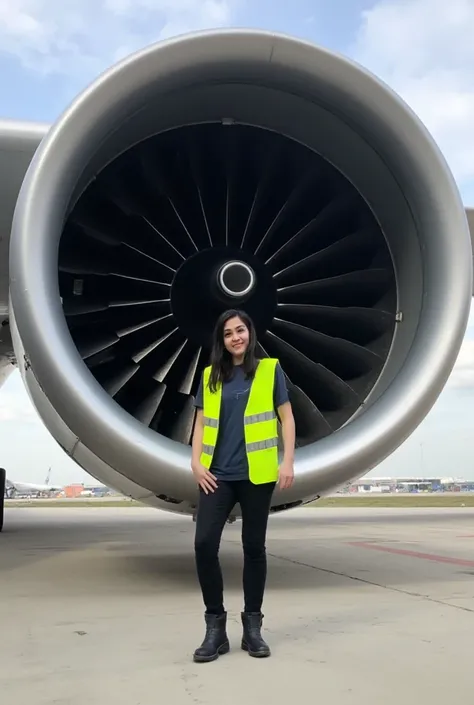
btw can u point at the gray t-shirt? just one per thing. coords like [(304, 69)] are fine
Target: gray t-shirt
[(230, 459)]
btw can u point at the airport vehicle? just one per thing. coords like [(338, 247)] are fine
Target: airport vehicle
[(230, 168)]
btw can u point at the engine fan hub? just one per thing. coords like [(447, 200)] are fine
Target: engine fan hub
[(200, 291), (236, 279)]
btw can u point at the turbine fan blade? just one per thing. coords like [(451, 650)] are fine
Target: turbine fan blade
[(367, 287), (357, 324), (346, 359), (183, 421), (310, 422), (148, 407), (328, 391), (115, 382)]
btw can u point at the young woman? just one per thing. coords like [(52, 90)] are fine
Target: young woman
[(235, 460)]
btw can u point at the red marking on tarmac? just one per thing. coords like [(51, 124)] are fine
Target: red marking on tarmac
[(413, 554)]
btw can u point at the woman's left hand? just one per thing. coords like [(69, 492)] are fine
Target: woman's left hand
[(286, 475)]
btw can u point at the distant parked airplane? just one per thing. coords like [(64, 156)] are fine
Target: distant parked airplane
[(13, 488)]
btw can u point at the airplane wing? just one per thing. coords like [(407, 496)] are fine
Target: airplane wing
[(18, 143)]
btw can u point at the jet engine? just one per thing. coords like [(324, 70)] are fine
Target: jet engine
[(236, 169)]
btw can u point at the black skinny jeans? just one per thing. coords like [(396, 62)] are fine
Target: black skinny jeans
[(213, 511)]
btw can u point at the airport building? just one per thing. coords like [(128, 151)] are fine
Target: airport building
[(409, 484)]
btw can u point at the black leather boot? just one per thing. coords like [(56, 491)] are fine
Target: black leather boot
[(252, 640), (215, 641)]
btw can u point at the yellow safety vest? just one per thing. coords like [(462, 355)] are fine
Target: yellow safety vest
[(260, 423)]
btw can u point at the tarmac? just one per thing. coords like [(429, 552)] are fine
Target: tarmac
[(363, 606)]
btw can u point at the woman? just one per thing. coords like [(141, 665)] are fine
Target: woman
[(235, 459)]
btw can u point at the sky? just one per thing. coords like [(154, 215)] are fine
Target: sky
[(52, 49)]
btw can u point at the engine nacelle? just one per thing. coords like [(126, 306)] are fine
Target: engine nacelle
[(236, 169)]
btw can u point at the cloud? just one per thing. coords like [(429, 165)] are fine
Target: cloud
[(83, 37), (462, 376), (424, 50), (15, 404), (463, 372)]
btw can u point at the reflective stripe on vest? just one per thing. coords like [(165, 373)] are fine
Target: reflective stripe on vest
[(260, 423)]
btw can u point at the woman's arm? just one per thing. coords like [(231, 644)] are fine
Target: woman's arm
[(197, 439), (204, 478), (286, 473)]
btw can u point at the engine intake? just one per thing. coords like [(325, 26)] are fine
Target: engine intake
[(195, 219), (244, 169)]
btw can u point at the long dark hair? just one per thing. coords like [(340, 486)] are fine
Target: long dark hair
[(221, 360)]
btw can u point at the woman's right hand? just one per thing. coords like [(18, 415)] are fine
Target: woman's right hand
[(204, 478)]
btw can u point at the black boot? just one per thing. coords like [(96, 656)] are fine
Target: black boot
[(215, 641), (252, 640)]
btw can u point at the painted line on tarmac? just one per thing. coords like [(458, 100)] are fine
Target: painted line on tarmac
[(413, 554)]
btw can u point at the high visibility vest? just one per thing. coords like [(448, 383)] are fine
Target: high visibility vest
[(260, 423)]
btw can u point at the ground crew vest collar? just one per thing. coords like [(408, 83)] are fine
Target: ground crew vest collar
[(260, 423)]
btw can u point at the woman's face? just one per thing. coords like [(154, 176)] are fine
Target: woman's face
[(236, 336)]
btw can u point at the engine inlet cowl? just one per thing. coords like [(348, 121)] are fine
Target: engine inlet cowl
[(300, 189)]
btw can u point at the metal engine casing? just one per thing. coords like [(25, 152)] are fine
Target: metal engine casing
[(321, 102)]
